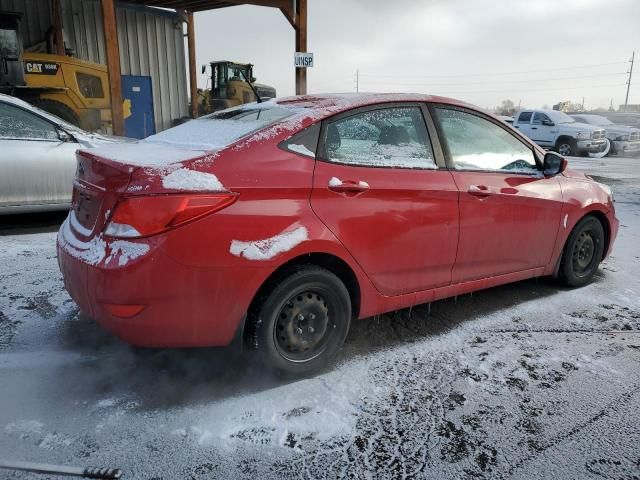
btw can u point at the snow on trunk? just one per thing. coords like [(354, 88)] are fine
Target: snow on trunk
[(192, 180)]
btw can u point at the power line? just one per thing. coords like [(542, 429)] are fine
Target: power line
[(383, 82), (533, 89), (497, 73)]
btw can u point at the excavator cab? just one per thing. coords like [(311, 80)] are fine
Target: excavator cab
[(232, 84), (11, 72)]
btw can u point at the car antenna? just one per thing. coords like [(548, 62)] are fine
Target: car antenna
[(255, 92)]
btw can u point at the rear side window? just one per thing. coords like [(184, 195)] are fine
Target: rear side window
[(394, 137), (525, 117), (304, 142), (477, 144)]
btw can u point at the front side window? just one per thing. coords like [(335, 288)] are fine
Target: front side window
[(19, 124), (390, 137), (540, 117), (478, 144)]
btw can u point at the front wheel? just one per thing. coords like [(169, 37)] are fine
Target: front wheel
[(583, 252), (303, 321), (566, 147)]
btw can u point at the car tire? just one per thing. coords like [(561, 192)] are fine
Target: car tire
[(583, 252), (302, 322), (566, 147)]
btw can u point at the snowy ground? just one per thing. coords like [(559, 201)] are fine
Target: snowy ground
[(525, 381)]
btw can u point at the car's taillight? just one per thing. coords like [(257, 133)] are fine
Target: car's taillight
[(143, 216)]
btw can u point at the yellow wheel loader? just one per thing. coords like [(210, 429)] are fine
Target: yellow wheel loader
[(231, 84), (74, 90)]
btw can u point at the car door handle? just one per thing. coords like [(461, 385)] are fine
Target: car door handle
[(480, 190), (534, 128), (347, 186)]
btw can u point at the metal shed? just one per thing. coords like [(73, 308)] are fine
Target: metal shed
[(151, 43)]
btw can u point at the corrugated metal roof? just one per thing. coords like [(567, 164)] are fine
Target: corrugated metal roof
[(200, 5)]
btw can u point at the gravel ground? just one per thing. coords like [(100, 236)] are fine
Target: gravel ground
[(530, 380)]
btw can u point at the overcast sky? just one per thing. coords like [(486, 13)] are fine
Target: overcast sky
[(483, 51)]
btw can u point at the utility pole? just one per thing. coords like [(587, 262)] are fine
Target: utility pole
[(626, 100), (357, 80)]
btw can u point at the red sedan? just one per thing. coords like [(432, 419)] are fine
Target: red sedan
[(279, 222)]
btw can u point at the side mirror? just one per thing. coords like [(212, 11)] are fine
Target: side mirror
[(554, 164), (252, 79), (548, 123), (64, 136), (204, 69)]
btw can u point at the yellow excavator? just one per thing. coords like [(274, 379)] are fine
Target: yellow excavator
[(74, 90), (231, 84)]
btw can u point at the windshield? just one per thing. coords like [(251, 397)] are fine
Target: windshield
[(220, 129), (9, 44), (560, 117), (597, 120)]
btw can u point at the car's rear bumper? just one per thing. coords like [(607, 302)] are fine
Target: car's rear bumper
[(183, 305)]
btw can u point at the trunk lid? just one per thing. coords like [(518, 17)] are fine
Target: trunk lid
[(98, 185), (104, 174)]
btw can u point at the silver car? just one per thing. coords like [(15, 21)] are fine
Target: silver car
[(622, 139), (37, 157)]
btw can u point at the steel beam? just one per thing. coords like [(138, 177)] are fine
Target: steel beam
[(113, 65), (193, 83)]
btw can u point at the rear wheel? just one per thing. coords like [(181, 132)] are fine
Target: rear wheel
[(302, 323), (566, 147), (583, 252)]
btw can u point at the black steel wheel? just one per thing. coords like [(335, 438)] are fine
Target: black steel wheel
[(583, 252), (302, 323)]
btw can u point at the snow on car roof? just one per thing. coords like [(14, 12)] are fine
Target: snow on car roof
[(223, 129)]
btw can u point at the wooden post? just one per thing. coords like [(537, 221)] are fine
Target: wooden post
[(113, 65), (301, 45), (58, 37), (193, 84)]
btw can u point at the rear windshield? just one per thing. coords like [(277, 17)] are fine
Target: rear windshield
[(220, 129)]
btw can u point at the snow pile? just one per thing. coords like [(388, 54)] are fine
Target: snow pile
[(91, 252), (145, 154), (126, 251), (77, 226), (97, 249), (493, 161), (270, 247), (370, 153), (205, 134), (301, 149), (192, 180)]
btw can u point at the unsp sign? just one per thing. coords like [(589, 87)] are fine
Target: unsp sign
[(303, 59)]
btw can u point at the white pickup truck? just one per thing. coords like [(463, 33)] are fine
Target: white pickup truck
[(558, 131)]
